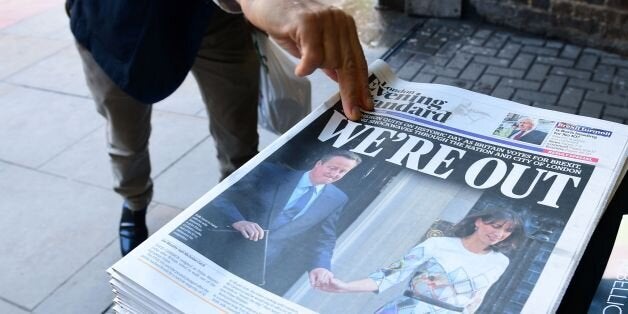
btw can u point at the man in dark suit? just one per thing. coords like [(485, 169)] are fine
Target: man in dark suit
[(526, 132), (296, 210)]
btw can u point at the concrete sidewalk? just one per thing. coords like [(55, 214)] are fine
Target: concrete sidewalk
[(59, 214)]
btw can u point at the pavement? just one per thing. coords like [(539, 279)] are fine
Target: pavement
[(524, 68), (59, 214)]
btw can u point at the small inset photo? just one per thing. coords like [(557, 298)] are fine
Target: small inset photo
[(524, 128)]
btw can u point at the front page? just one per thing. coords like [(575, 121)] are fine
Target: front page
[(440, 200)]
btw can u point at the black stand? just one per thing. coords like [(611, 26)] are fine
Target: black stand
[(591, 267)]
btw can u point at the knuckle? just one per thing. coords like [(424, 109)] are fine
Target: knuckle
[(315, 58)]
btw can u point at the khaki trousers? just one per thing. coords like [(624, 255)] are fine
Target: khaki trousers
[(227, 72)]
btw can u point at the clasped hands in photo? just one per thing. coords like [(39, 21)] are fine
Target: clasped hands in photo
[(320, 278)]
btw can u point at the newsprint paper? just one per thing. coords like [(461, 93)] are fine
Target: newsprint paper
[(440, 200)]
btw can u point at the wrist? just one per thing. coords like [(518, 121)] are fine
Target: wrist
[(276, 17)]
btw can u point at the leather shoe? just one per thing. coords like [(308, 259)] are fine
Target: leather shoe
[(133, 230)]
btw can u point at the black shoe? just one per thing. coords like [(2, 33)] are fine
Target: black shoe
[(132, 230)]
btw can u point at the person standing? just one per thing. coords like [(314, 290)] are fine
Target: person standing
[(446, 274), (136, 53), (296, 210), (526, 131)]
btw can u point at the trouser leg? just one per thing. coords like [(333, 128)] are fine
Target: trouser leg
[(227, 72), (128, 130)]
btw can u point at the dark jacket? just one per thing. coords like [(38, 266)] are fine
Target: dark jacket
[(276, 262), (533, 137), (146, 47), (262, 194)]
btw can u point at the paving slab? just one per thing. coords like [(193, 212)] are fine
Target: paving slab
[(23, 51), (8, 308), (194, 174), (186, 99), (173, 136), (51, 23), (86, 291), (51, 227), (14, 11), (60, 72), (42, 124), (85, 161), (159, 215), (512, 65)]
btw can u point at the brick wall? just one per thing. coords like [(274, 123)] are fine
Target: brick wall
[(597, 23)]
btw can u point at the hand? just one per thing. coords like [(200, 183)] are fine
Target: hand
[(320, 277), (249, 230), (362, 285), (322, 37), (335, 285)]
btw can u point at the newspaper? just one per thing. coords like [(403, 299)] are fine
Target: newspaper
[(440, 200), (612, 290)]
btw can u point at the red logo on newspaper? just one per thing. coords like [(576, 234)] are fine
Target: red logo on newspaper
[(569, 155)]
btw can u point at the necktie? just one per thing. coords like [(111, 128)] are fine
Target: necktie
[(288, 214), (518, 135)]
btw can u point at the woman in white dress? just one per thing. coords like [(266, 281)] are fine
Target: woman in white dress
[(446, 274)]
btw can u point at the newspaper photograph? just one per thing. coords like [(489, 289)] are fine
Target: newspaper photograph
[(441, 200)]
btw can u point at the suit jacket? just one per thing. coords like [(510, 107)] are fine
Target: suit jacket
[(307, 241), (533, 137)]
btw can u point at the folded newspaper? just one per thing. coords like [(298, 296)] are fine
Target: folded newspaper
[(440, 200)]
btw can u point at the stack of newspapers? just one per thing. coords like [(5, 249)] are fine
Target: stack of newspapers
[(439, 200)]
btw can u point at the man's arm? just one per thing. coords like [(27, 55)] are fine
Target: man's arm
[(234, 218), (236, 202), (321, 36)]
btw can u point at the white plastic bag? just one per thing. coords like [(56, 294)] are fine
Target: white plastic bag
[(284, 98)]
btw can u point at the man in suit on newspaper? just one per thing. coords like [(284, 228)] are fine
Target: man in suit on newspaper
[(526, 132), (296, 210)]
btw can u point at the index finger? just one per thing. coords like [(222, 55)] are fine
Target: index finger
[(353, 76), (311, 45)]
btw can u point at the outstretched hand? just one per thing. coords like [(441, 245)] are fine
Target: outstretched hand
[(320, 277), (322, 37), (335, 285)]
